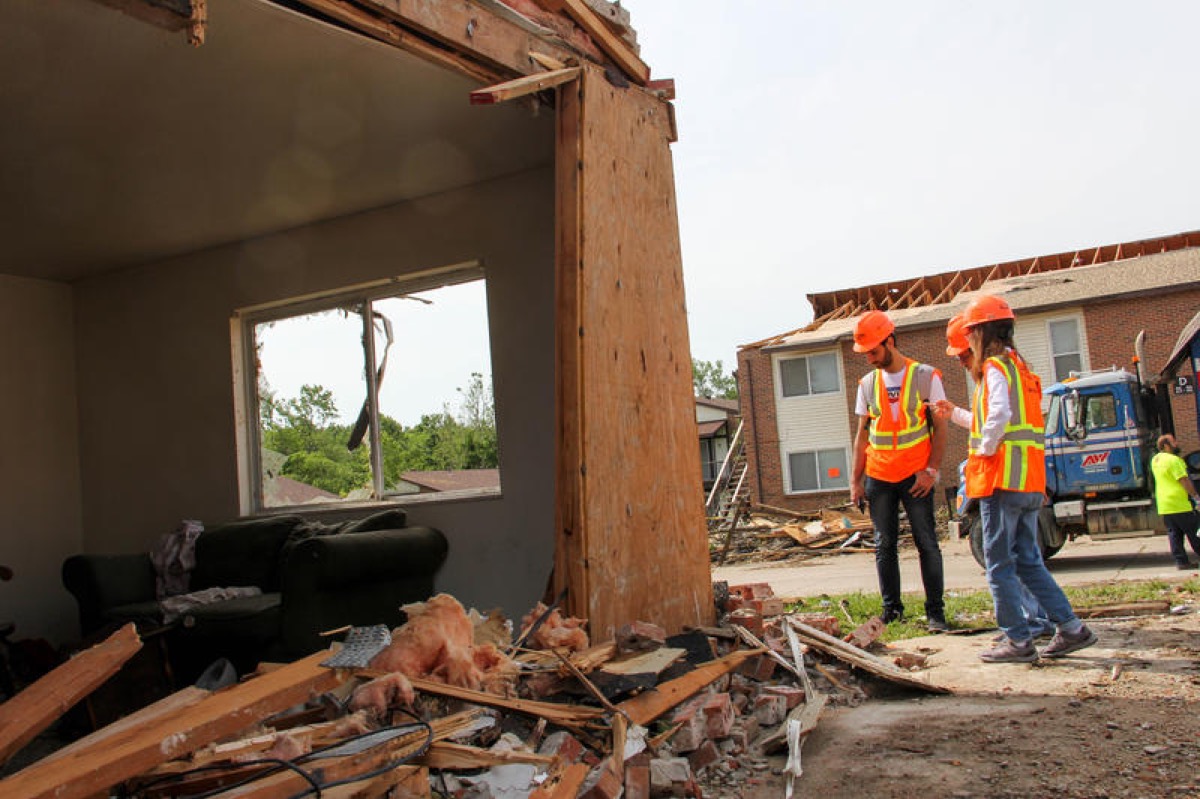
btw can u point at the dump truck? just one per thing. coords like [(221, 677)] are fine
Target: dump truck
[(1101, 431)]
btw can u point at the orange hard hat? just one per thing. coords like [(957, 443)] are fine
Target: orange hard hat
[(872, 328), (986, 308), (956, 336)]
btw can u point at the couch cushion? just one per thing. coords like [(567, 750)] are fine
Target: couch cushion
[(146, 615), (242, 553), (391, 519)]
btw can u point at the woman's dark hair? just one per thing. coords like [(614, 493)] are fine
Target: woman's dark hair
[(996, 338)]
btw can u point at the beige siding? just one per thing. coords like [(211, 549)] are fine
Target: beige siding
[(1032, 337), (810, 423)]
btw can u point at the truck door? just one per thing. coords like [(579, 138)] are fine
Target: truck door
[(1105, 456)]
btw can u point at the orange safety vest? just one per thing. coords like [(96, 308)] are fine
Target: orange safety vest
[(898, 447), (1019, 463)]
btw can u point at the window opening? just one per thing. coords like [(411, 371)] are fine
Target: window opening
[(373, 395)]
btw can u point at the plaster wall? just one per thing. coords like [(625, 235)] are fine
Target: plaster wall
[(40, 525), (157, 423)]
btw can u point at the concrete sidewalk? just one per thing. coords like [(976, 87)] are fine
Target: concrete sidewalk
[(1080, 562)]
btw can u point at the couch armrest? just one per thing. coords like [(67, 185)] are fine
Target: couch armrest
[(100, 582), (359, 578)]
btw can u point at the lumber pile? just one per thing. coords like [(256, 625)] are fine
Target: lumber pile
[(458, 703), (780, 534)]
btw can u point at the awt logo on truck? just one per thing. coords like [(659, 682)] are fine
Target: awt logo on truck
[(1096, 460)]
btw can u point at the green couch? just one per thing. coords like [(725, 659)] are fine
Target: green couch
[(313, 577)]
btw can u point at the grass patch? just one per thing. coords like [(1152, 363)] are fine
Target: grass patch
[(972, 610)]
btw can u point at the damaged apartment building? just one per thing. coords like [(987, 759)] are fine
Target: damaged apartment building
[(1075, 311), (184, 179)]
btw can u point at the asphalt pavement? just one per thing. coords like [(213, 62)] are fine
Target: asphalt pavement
[(1080, 562)]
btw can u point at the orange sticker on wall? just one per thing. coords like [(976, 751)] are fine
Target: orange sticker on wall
[(835, 472)]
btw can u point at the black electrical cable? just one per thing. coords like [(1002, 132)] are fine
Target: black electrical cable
[(294, 765)]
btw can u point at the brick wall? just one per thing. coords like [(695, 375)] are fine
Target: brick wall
[(1111, 327)]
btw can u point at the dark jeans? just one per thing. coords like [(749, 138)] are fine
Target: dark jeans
[(885, 499), (1181, 526)]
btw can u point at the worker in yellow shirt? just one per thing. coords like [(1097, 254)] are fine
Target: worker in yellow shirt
[(1173, 496)]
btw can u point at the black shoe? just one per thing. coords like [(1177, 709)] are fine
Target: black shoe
[(938, 625), (1184, 566), (891, 614)]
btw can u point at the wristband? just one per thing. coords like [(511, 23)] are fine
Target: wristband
[(932, 472)]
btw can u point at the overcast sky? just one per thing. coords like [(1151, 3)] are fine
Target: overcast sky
[(837, 144)]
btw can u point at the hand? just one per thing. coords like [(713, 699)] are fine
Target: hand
[(943, 409), (857, 493), (923, 484)]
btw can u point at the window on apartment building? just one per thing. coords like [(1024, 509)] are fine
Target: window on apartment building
[(818, 470), (811, 374), (1065, 349), (371, 394)]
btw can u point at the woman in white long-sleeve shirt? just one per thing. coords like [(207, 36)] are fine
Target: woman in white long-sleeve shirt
[(1006, 473)]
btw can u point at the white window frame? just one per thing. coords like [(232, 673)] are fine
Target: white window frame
[(807, 358), (1053, 355), (820, 489), (246, 400)]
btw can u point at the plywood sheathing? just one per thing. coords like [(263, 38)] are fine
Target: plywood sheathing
[(86, 772), (630, 517)]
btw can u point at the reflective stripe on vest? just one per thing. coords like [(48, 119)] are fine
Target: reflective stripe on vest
[(886, 432), (1019, 462)]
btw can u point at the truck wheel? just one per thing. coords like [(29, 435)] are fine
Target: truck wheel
[(1048, 532), (1048, 550), (976, 537)]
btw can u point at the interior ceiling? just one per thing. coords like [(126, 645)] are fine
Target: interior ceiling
[(122, 144)]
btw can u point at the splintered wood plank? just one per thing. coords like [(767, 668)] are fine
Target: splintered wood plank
[(563, 784), (646, 663), (90, 770), (445, 755), (520, 87), (551, 711), (612, 44), (41, 704), (861, 659), (646, 707), (630, 499)]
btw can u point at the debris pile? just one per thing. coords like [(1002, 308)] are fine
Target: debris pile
[(451, 705), (779, 534)]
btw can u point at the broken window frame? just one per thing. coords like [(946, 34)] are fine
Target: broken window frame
[(245, 364)]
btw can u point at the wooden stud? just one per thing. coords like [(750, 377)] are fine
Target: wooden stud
[(611, 44), (85, 772), (520, 87), (41, 704)]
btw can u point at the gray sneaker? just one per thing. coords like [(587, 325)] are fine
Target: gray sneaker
[(1008, 652), (1065, 643)]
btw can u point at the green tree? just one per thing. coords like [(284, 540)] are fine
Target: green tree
[(710, 381)]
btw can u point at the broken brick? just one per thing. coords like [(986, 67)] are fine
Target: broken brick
[(693, 732), (640, 636), (749, 618), (718, 715), (752, 590), (563, 745), (758, 668), (703, 757), (793, 695), (637, 780), (668, 772), (768, 607), (770, 709), (822, 621)]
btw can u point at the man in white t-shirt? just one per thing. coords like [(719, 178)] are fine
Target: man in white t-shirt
[(897, 449)]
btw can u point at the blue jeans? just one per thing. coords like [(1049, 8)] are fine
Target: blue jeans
[(885, 499), (1014, 561)]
